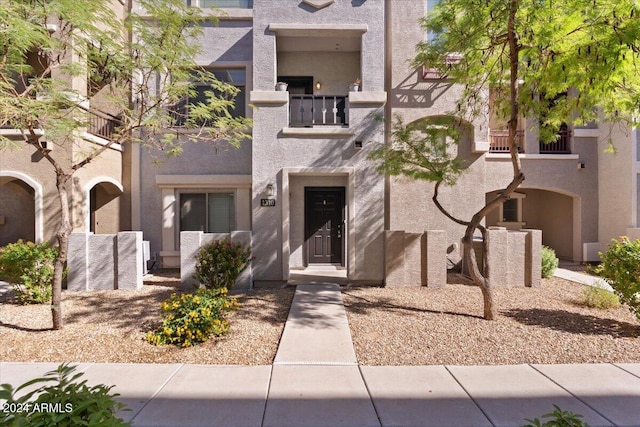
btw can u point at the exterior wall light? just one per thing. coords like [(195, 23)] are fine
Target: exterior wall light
[(270, 192), (318, 85)]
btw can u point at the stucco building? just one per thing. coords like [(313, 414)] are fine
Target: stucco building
[(29, 205), (304, 185)]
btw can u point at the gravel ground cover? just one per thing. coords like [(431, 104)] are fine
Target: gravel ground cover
[(426, 326), (109, 326), (411, 326)]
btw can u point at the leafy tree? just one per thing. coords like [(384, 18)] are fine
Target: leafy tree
[(142, 65), (563, 61)]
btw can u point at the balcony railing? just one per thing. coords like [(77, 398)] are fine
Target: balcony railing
[(499, 141), (313, 110), (559, 146), (101, 124)]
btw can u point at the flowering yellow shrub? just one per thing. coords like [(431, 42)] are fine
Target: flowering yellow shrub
[(193, 318)]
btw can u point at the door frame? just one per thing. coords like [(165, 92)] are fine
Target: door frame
[(349, 176), (342, 191)]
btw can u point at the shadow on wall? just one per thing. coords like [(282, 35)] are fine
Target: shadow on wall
[(413, 93)]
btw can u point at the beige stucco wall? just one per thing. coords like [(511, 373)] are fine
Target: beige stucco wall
[(24, 160), (616, 183)]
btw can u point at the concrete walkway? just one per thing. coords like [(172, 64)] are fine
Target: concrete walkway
[(582, 278), (315, 381)]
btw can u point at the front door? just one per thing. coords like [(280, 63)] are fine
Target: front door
[(324, 224)]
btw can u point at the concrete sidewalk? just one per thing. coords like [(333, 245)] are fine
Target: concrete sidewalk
[(582, 278), (333, 395), (315, 381)]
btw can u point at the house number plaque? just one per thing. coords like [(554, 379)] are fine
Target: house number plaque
[(267, 202)]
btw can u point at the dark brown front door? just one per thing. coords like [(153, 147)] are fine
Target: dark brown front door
[(324, 224)]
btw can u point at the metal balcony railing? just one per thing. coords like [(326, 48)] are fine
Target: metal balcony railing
[(313, 110), (101, 124), (559, 146), (499, 141)]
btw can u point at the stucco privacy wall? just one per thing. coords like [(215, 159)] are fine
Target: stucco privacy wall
[(105, 261), (282, 154), (415, 259), (514, 257), (190, 243)]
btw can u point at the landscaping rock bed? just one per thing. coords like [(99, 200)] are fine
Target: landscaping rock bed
[(426, 326), (109, 326)]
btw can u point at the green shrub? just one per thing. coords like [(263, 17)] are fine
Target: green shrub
[(28, 267), (219, 263), (599, 298), (621, 269), (191, 319), (558, 418), (65, 403), (549, 262)]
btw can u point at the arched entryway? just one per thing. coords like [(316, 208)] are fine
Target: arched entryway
[(556, 214), (102, 205), (20, 208)]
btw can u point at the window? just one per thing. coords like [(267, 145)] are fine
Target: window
[(238, 78), (231, 4), (451, 59), (510, 210), (431, 4), (207, 212), (234, 76)]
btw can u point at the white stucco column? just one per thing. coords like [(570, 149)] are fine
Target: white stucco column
[(168, 220)]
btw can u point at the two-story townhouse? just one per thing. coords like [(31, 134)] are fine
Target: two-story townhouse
[(29, 205)]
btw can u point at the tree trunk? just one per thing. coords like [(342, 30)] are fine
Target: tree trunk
[(62, 238), (471, 263)]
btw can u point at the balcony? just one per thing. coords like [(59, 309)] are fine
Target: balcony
[(559, 146), (101, 124), (317, 110), (499, 141)]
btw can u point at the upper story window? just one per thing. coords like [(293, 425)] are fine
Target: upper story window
[(430, 6), (223, 4), (232, 76), (450, 59)]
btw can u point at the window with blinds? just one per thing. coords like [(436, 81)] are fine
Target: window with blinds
[(207, 212)]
